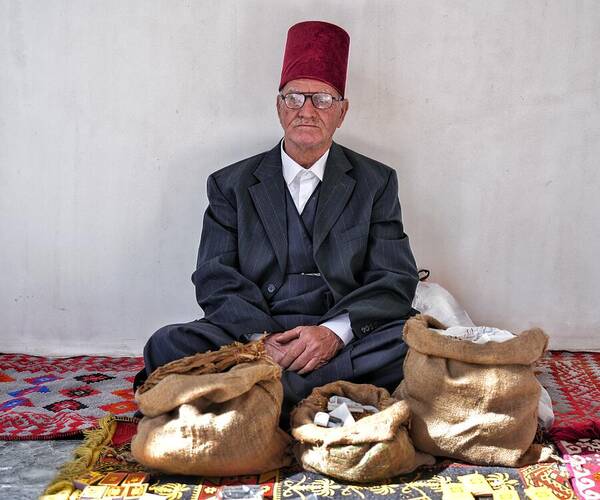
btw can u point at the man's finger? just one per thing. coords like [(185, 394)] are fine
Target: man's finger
[(312, 365), (274, 350), (285, 337), (291, 353), (301, 361)]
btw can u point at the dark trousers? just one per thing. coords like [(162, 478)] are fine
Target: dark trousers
[(376, 358)]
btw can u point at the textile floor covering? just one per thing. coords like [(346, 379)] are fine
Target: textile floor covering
[(43, 398)]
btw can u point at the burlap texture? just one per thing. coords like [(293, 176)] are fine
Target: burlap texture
[(207, 362), (473, 402), (375, 447), (214, 424)]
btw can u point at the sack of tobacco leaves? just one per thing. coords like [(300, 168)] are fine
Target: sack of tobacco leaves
[(470, 398), (375, 446), (213, 414)]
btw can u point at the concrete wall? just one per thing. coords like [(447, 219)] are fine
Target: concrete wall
[(113, 114)]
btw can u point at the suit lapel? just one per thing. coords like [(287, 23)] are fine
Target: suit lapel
[(269, 199), (336, 189)]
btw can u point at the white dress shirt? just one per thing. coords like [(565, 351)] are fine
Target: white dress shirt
[(301, 183)]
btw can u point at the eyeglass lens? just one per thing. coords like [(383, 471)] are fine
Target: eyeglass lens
[(320, 100)]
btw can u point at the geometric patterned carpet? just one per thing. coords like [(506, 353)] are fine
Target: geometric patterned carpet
[(50, 398), (573, 381), (47, 398)]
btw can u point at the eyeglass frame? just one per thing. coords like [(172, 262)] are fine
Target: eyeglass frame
[(311, 94)]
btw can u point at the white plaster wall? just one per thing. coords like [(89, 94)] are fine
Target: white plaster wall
[(113, 114)]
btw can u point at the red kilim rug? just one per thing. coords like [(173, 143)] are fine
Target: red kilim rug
[(48, 398), (573, 382)]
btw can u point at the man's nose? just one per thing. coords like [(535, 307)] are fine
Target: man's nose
[(308, 109)]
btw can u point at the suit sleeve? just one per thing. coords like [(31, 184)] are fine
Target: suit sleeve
[(229, 299), (388, 277)]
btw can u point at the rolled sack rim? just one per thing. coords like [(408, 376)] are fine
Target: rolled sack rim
[(525, 349), (185, 388)]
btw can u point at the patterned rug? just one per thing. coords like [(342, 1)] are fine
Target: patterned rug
[(48, 398), (113, 455), (583, 464), (573, 382)]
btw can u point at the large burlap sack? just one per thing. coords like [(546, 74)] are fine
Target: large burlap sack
[(202, 420), (473, 402), (375, 447)]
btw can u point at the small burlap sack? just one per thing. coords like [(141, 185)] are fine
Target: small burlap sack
[(202, 420), (375, 447), (473, 402)]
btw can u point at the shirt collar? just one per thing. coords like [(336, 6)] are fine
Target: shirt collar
[(291, 168)]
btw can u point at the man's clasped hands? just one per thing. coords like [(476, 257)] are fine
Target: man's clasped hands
[(304, 348)]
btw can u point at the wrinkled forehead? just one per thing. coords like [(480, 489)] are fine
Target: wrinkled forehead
[(309, 85)]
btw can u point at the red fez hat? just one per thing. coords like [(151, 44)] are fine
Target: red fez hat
[(316, 50)]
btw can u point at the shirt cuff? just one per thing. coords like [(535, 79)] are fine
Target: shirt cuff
[(340, 325)]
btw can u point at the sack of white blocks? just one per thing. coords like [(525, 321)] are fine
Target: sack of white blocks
[(471, 401), (372, 446)]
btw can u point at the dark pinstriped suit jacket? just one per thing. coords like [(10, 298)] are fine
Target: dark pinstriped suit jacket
[(359, 243)]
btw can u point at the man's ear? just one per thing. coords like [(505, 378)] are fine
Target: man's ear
[(278, 104), (345, 106)]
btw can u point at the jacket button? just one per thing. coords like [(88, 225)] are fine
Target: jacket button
[(270, 288)]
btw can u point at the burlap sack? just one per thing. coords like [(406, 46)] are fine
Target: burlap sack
[(473, 402), (213, 424), (375, 447)]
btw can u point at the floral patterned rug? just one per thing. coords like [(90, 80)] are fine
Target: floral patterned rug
[(582, 457), (114, 455)]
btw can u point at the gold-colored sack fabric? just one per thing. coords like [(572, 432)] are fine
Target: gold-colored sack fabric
[(375, 447), (210, 422), (207, 362), (473, 402)]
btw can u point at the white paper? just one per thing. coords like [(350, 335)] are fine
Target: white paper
[(343, 413), (477, 334)]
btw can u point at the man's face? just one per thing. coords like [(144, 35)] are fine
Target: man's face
[(309, 128)]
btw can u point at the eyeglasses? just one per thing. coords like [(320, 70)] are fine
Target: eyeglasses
[(320, 100)]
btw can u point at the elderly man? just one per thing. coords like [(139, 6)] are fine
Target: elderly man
[(304, 242)]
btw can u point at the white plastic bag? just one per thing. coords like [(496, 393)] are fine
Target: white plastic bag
[(545, 411), (436, 301)]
